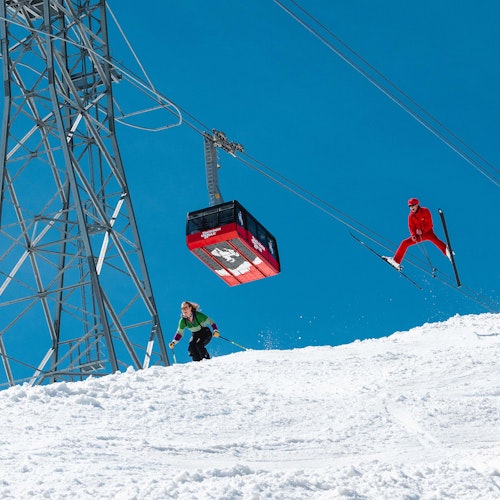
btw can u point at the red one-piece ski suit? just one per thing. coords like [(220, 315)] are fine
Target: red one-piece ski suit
[(420, 226)]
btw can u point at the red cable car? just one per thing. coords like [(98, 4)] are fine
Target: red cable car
[(224, 236), (231, 242)]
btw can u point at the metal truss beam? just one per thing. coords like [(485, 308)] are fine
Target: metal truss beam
[(75, 295)]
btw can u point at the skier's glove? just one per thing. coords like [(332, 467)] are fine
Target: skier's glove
[(172, 344), (216, 333), (419, 232)]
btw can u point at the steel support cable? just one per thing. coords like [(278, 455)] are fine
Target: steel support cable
[(449, 280), (398, 89), (136, 81), (330, 210), (129, 45), (337, 214), (493, 176), (291, 186), (307, 195), (146, 87), (150, 85), (487, 303), (355, 225), (363, 230), (301, 192)]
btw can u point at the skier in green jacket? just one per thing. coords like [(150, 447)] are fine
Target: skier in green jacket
[(198, 324)]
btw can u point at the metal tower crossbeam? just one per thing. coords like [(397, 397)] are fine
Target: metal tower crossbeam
[(74, 286)]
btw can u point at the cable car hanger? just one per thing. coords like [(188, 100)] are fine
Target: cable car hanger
[(225, 236), (213, 141)]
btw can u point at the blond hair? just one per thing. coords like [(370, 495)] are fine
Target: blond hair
[(194, 306)]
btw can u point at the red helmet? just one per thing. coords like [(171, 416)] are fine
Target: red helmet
[(413, 201)]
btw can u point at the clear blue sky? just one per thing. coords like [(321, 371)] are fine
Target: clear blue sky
[(250, 70)]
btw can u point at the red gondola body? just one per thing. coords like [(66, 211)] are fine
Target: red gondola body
[(232, 243)]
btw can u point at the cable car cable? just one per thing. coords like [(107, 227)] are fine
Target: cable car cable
[(291, 186), (468, 154), (319, 203), (330, 210), (363, 230), (316, 201)]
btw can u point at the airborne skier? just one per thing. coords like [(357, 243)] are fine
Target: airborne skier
[(420, 226)]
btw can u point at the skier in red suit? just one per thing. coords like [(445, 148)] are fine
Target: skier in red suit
[(420, 226)]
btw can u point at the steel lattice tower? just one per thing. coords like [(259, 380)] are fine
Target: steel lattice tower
[(75, 295)]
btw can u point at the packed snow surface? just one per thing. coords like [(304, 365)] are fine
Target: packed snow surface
[(411, 416)]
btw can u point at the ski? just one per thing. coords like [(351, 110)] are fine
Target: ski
[(452, 257), (380, 256)]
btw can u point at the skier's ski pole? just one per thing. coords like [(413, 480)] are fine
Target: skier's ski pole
[(234, 343), (426, 255), (173, 356)]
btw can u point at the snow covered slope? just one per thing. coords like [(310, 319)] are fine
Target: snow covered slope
[(414, 415)]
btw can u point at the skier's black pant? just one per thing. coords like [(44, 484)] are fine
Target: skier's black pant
[(197, 344)]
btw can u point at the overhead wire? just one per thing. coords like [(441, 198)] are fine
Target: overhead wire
[(150, 84), (430, 123), (129, 45), (326, 207), (145, 87), (272, 174), (379, 240)]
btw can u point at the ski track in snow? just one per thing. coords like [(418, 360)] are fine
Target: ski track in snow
[(412, 416)]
